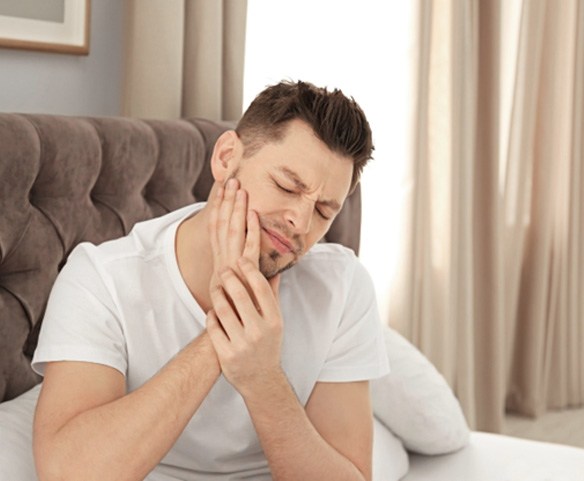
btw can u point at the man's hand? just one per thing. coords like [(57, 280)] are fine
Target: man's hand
[(245, 324), (246, 327), (229, 217)]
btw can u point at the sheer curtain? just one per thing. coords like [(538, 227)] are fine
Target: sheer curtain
[(365, 49), (492, 259), (184, 58)]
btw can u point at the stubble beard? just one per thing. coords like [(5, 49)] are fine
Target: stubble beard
[(271, 263), (268, 264)]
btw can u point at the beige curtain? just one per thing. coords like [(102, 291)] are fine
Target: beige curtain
[(492, 274), (184, 58)]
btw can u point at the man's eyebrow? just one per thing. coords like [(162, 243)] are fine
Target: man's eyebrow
[(294, 177)]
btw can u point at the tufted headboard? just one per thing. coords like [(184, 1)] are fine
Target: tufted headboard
[(64, 180)]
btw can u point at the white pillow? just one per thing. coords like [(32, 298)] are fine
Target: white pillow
[(16, 459), (390, 459), (416, 403)]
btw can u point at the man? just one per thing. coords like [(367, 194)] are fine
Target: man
[(189, 350)]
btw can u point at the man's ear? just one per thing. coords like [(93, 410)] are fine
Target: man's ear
[(226, 155)]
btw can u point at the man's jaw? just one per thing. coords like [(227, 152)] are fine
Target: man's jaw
[(269, 263)]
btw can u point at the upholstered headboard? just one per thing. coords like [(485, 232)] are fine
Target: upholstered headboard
[(64, 180)]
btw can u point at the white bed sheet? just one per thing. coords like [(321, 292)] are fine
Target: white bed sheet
[(488, 457), (495, 457)]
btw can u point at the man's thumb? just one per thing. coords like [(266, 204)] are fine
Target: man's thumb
[(275, 285)]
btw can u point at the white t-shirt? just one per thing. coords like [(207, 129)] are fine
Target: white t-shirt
[(125, 304)]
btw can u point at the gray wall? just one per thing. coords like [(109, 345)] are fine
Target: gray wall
[(38, 82)]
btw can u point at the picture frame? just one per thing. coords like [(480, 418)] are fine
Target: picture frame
[(68, 33)]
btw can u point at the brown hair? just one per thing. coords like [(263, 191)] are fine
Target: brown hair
[(335, 119)]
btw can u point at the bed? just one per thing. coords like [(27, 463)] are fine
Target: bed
[(494, 457), (64, 180)]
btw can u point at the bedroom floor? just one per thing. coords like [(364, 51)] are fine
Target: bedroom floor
[(564, 427)]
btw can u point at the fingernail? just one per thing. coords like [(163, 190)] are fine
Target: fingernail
[(231, 184)]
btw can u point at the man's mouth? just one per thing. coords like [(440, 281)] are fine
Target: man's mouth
[(282, 245)]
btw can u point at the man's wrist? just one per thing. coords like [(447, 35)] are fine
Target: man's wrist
[(204, 347), (265, 387)]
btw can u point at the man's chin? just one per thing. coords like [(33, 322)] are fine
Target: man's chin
[(271, 267)]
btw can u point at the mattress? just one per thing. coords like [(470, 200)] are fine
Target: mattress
[(495, 457)]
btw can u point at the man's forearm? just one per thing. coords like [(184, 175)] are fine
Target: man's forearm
[(294, 448), (127, 438)]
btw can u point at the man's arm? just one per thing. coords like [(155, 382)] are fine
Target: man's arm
[(335, 441), (331, 439), (86, 426)]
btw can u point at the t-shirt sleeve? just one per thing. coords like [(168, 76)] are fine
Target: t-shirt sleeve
[(81, 321), (358, 350)]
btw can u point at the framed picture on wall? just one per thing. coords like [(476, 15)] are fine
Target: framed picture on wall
[(60, 26)]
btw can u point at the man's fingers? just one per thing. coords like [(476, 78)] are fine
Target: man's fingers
[(253, 238), (216, 332), (226, 207), (275, 285), (236, 231), (226, 314), (215, 204), (240, 296), (225, 213), (262, 289)]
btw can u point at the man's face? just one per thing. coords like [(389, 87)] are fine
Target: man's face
[(297, 186)]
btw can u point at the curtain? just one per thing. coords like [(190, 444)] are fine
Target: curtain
[(184, 58), (492, 268)]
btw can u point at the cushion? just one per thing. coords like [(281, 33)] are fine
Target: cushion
[(416, 403), (16, 460), (390, 459)]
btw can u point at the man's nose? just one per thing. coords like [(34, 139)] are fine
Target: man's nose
[(299, 216)]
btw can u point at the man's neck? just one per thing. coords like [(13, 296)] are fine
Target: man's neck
[(194, 257)]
